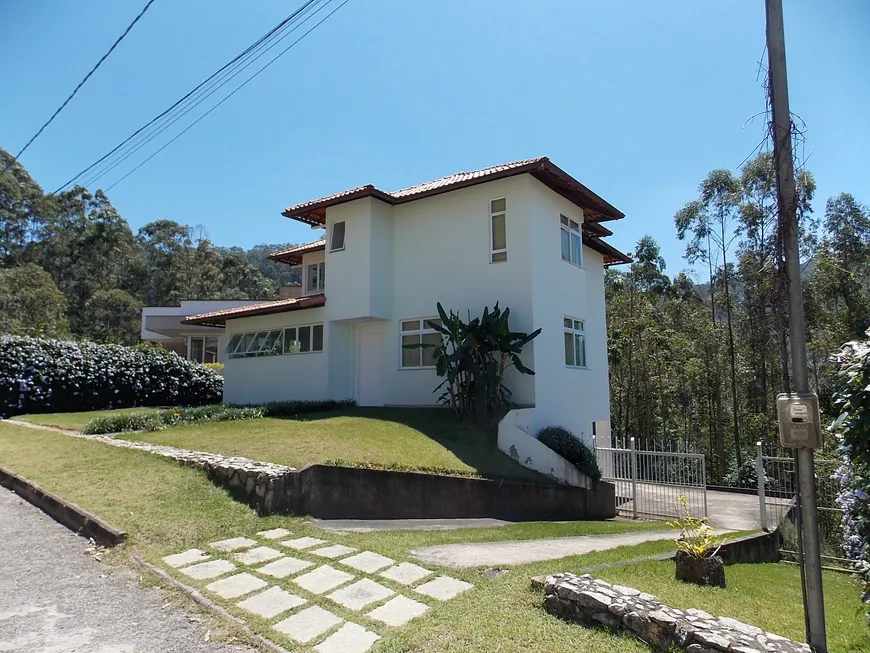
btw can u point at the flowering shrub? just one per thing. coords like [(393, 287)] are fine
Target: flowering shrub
[(852, 429), (53, 376)]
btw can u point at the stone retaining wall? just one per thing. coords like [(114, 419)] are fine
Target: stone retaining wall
[(595, 602), (332, 492)]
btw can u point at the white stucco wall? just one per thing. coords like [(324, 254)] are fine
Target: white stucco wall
[(441, 252), (277, 378), (515, 441), (573, 398)]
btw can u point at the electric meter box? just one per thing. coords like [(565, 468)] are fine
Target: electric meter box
[(799, 422)]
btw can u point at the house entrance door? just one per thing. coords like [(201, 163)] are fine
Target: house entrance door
[(369, 370)]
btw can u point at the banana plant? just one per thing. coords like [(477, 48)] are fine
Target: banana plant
[(473, 357)]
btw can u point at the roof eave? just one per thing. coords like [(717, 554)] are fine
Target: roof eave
[(215, 320)]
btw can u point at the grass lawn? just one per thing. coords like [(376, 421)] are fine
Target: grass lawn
[(404, 438), (167, 508), (76, 421), (767, 595)]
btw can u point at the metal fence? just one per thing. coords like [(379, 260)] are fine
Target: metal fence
[(650, 483), (777, 500)]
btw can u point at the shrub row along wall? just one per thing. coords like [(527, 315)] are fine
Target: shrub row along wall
[(597, 603), (43, 376)]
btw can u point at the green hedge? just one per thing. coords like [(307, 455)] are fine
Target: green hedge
[(53, 376), (163, 419), (572, 449)]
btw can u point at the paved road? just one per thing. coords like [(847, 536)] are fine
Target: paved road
[(56, 599)]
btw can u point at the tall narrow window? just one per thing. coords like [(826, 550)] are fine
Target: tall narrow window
[(575, 342), (197, 350), (315, 280), (498, 230), (336, 242), (572, 241)]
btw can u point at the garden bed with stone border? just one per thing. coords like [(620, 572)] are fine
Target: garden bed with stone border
[(622, 609)]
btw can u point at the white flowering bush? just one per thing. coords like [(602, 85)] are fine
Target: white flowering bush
[(54, 376), (852, 429)]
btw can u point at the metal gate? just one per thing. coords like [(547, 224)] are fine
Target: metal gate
[(649, 483), (777, 500)]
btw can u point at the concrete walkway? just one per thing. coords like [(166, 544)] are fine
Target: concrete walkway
[(373, 525), (56, 599), (521, 552)]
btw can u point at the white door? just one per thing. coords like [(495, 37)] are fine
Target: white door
[(369, 373)]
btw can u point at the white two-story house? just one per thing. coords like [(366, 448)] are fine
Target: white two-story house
[(526, 235)]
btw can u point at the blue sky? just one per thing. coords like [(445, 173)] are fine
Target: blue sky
[(637, 99)]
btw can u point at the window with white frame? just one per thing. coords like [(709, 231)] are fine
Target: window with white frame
[(336, 239), (275, 342), (315, 277), (572, 241), (498, 230), (575, 342), (418, 332)]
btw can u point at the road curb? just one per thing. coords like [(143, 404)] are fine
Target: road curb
[(75, 518)]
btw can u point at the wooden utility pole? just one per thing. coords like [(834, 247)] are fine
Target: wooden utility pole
[(814, 607)]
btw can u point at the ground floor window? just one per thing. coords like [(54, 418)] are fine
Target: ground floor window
[(276, 342), (575, 342), (202, 349), (418, 331)]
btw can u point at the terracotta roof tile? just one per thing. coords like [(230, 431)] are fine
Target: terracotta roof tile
[(219, 318), (294, 254), (313, 212), (462, 177)]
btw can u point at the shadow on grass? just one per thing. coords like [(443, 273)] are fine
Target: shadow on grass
[(468, 443)]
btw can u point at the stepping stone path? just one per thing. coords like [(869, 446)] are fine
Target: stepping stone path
[(234, 544), (405, 573), (271, 603), (257, 555), (206, 570), (186, 558), (284, 567), (334, 551), (350, 638), (275, 533), (368, 562), (233, 587), (360, 594), (322, 579), (398, 611), (280, 590), (301, 543), (443, 588), (308, 624)]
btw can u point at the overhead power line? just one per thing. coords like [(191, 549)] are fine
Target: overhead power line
[(82, 83), (238, 88), (205, 92), (160, 123)]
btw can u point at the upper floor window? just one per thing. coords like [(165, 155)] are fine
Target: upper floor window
[(498, 230), (336, 239), (414, 332), (315, 277), (575, 342), (572, 241)]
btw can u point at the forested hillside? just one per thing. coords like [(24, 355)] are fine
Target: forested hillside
[(70, 265), (701, 370)]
